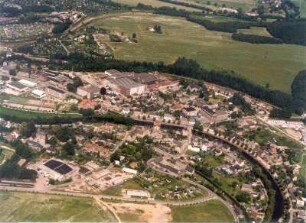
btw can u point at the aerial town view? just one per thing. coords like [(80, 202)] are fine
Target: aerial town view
[(153, 111)]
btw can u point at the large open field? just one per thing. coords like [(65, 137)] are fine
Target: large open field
[(260, 63), (38, 207), (155, 3), (211, 211)]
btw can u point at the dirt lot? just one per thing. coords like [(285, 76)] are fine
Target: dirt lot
[(296, 134), (145, 212)]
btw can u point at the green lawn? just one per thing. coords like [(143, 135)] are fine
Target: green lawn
[(260, 63), (37, 207), (211, 211), (303, 166)]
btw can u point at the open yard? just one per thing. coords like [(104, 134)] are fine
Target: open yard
[(37, 207), (260, 63), (211, 211)]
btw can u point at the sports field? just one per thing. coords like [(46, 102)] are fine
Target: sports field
[(37, 207), (211, 211), (260, 63)]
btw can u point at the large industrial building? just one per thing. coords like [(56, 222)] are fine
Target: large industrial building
[(126, 86), (56, 170)]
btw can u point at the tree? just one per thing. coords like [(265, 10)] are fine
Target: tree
[(27, 129), (243, 197), (103, 91), (87, 112), (198, 126), (157, 29), (69, 148), (13, 72), (298, 92)]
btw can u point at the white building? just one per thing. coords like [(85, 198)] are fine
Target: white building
[(28, 83), (38, 94), (137, 193), (129, 170)]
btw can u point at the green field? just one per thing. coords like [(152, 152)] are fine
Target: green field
[(6, 153), (245, 5), (211, 211), (27, 115), (156, 3), (260, 63), (38, 207), (260, 31)]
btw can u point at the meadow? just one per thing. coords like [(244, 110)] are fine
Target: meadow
[(39, 207), (245, 5), (211, 211), (260, 63), (156, 3)]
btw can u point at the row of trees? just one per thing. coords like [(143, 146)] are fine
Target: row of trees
[(249, 38), (289, 31)]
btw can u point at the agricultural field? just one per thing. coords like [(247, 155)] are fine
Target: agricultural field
[(211, 211), (35, 207), (260, 63)]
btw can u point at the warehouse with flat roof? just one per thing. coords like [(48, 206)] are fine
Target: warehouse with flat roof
[(126, 86), (17, 86)]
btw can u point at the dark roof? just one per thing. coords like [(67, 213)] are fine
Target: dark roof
[(189, 109), (58, 166), (144, 78), (56, 89), (208, 110), (17, 84)]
